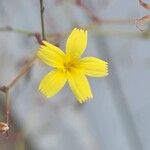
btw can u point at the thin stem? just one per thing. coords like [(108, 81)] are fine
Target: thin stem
[(42, 19), (6, 89), (89, 26), (37, 35), (25, 68), (11, 29), (7, 107), (23, 71)]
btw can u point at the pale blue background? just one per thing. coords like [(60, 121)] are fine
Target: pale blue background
[(118, 116)]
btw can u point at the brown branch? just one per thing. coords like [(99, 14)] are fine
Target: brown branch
[(91, 15), (7, 108), (7, 88), (98, 20), (23, 71), (4, 127), (145, 5)]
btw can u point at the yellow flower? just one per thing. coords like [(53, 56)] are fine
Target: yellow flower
[(70, 67)]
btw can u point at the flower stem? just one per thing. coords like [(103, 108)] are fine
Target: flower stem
[(42, 19)]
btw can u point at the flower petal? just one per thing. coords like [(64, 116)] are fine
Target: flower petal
[(51, 55), (80, 86), (93, 66), (76, 43), (52, 83)]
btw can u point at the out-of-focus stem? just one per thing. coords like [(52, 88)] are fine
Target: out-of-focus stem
[(91, 26), (23, 71), (26, 67), (21, 31), (7, 108), (6, 89)]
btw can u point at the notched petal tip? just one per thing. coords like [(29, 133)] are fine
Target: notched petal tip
[(93, 66), (106, 69), (84, 100), (86, 32), (79, 30), (44, 92), (52, 83), (76, 42)]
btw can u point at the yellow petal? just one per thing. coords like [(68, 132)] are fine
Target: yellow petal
[(76, 43), (51, 55), (80, 86), (52, 83), (93, 66)]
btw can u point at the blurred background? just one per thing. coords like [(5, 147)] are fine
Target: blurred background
[(117, 118)]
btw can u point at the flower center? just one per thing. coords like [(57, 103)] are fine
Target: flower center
[(68, 66)]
